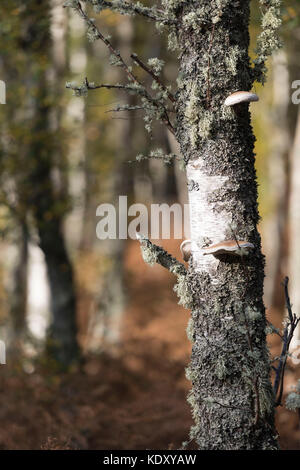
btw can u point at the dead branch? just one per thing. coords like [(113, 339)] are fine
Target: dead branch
[(131, 76)]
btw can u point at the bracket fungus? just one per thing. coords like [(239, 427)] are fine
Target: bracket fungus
[(185, 249), (229, 247), (240, 97)]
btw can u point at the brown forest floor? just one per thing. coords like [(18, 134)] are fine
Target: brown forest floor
[(134, 400)]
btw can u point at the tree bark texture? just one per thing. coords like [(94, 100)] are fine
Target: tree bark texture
[(231, 397)]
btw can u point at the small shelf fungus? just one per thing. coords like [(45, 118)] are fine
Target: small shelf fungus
[(185, 249), (229, 247), (240, 97)]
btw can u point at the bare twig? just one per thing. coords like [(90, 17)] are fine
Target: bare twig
[(129, 108), (131, 76), (166, 158), (90, 86)]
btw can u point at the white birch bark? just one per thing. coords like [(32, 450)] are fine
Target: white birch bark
[(206, 225)]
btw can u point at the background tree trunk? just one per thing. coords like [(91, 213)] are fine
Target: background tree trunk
[(231, 397), (294, 196), (278, 168), (18, 308), (47, 205), (294, 226)]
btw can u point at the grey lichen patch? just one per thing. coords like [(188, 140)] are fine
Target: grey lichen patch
[(190, 331), (192, 114), (227, 113), (219, 10), (266, 395), (293, 399), (253, 314), (192, 20), (156, 65), (159, 154), (78, 90), (192, 374), (149, 256), (268, 40), (221, 369), (188, 373), (155, 254), (194, 404), (171, 6), (231, 59), (173, 41), (206, 120), (115, 61), (91, 33), (183, 292), (198, 119)]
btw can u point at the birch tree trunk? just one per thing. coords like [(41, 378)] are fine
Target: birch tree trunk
[(231, 396)]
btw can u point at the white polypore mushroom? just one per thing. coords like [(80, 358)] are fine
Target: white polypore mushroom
[(185, 249), (229, 247), (240, 97)]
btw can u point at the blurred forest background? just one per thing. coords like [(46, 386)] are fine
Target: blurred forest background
[(96, 343)]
